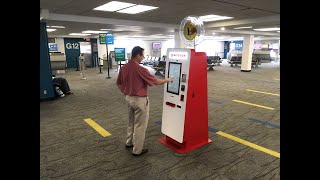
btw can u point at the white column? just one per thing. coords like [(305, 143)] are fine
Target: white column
[(177, 41), (60, 44), (247, 53)]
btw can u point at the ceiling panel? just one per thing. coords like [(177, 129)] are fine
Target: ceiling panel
[(169, 12)]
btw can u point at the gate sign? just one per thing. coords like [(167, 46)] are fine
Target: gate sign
[(238, 45), (119, 54), (102, 38), (72, 46), (110, 39)]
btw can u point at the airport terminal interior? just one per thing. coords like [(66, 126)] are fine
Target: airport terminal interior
[(218, 119)]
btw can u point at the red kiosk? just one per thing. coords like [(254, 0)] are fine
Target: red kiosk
[(185, 101)]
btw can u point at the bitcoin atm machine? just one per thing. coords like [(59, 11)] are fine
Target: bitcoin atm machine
[(185, 101)]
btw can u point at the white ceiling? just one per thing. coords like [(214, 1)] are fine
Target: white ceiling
[(78, 16)]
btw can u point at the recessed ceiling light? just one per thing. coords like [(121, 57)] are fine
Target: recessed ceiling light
[(243, 27), (58, 26), (137, 36), (113, 6), (79, 34), (267, 29), (137, 9), (278, 31), (93, 32), (222, 28), (50, 30), (213, 17)]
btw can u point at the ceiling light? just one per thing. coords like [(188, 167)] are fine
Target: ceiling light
[(48, 26), (222, 28), (278, 31), (137, 9), (113, 6), (58, 26), (138, 36), (213, 33), (267, 29), (50, 30), (213, 17), (79, 34), (243, 27), (93, 32)]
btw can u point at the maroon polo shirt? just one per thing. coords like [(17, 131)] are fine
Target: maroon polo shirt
[(133, 79)]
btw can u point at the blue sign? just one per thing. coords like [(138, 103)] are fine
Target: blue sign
[(53, 46), (238, 45), (110, 39)]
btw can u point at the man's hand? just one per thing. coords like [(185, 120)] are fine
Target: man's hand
[(170, 79), (162, 81)]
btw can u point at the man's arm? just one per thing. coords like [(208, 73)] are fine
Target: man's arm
[(150, 79), (162, 81), (119, 84)]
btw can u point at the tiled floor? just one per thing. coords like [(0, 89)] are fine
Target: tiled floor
[(71, 149)]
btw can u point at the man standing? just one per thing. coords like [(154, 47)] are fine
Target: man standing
[(133, 81)]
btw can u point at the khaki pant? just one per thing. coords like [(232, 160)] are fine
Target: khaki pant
[(138, 108)]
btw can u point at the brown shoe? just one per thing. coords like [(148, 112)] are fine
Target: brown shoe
[(129, 146)]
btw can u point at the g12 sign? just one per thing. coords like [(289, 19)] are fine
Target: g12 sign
[(72, 46)]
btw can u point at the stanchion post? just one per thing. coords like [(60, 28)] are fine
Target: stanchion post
[(108, 61), (108, 69), (77, 64), (99, 65)]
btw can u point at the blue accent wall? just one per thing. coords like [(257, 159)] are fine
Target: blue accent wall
[(46, 84), (72, 49), (225, 49)]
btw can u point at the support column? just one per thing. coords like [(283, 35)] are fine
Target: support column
[(247, 53), (177, 41)]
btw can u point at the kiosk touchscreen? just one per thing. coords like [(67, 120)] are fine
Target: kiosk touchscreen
[(174, 71), (185, 100)]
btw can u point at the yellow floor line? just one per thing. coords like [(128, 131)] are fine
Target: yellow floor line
[(263, 92), (260, 148), (270, 108), (97, 127)]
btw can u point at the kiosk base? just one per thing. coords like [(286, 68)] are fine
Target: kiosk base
[(181, 148)]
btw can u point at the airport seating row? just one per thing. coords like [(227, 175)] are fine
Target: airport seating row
[(235, 60), (159, 63), (213, 61)]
